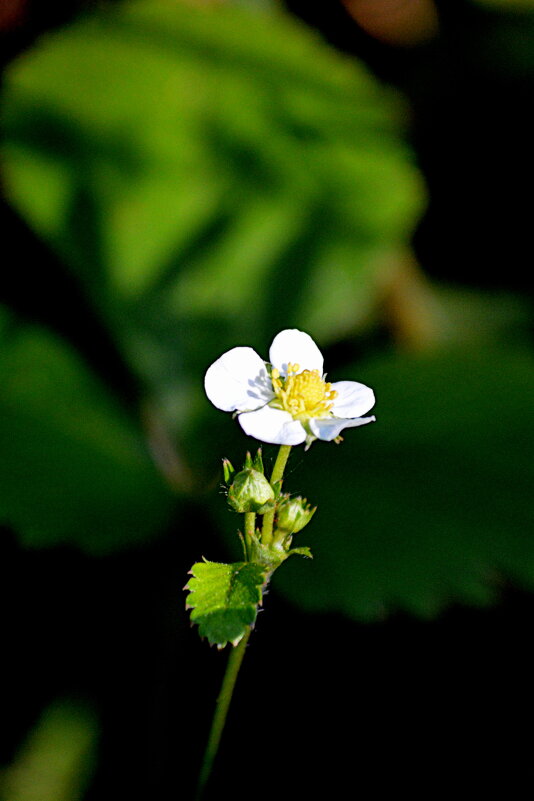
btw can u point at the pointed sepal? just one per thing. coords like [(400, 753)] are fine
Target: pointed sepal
[(302, 551), (228, 471), (258, 462)]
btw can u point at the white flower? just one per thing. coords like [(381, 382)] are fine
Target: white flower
[(287, 400)]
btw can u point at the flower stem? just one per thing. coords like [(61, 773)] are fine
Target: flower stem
[(278, 472), (221, 710), (250, 527)]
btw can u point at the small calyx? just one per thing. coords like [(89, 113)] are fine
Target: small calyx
[(293, 513), (271, 556)]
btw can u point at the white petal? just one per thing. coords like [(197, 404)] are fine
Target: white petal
[(238, 381), (353, 399), (272, 425), (328, 428), (295, 347)]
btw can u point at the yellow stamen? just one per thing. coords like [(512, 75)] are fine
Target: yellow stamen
[(304, 394)]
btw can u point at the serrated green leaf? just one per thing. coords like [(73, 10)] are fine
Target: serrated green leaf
[(224, 599)]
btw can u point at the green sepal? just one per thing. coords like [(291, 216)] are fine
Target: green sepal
[(277, 487), (258, 462), (302, 551), (255, 463), (268, 556), (224, 599), (228, 471), (243, 545), (271, 556)]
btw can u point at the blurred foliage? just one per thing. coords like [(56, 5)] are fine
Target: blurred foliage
[(211, 175), (74, 468), (431, 504), (188, 165), (55, 762)]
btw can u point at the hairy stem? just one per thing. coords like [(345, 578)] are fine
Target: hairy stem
[(278, 472), (221, 711)]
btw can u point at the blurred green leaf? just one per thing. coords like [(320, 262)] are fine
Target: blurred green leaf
[(480, 319), (211, 174), (433, 503), (73, 466), (54, 763), (224, 599)]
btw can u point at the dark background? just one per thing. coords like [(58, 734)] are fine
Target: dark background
[(432, 703)]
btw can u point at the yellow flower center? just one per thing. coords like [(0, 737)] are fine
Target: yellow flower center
[(303, 395)]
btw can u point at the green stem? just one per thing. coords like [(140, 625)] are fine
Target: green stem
[(250, 526), (221, 711), (278, 472)]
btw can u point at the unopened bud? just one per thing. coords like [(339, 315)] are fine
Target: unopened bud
[(250, 492), (293, 514)]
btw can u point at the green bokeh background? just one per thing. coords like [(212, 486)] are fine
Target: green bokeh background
[(181, 179)]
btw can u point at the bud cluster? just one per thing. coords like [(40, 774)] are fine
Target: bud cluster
[(248, 492)]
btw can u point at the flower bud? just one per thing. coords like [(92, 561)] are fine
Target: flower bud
[(293, 514), (250, 492)]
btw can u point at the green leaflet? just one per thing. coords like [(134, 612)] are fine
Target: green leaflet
[(224, 599)]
